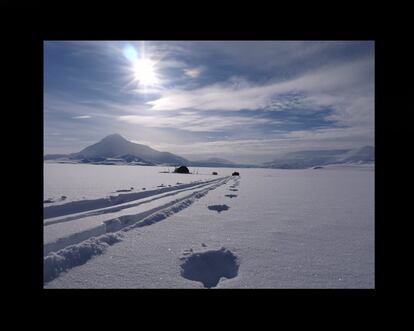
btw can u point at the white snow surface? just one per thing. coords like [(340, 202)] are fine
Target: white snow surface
[(90, 181), (278, 229)]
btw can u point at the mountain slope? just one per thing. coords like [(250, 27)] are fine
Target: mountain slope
[(115, 146)]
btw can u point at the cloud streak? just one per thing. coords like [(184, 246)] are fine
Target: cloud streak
[(193, 72), (82, 117), (234, 97), (192, 122)]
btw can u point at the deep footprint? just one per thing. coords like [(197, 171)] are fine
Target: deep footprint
[(210, 266), (231, 195), (218, 208)]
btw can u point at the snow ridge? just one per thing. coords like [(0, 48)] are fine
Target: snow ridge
[(69, 257)]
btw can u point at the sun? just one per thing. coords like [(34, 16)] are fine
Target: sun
[(143, 69), (145, 72)]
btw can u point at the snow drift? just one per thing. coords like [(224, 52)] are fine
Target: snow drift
[(69, 257)]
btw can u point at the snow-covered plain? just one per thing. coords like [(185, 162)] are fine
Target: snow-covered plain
[(89, 181), (269, 228)]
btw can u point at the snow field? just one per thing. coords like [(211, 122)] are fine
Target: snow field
[(64, 236), (282, 229)]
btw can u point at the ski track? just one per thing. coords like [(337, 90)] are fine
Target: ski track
[(78, 248), (60, 235), (86, 205), (122, 206)]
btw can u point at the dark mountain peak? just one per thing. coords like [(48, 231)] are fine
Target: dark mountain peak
[(114, 137), (116, 145)]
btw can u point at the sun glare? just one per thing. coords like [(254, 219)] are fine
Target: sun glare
[(143, 68), (144, 71)]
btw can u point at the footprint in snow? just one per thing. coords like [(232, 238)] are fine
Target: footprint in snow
[(218, 208), (209, 267)]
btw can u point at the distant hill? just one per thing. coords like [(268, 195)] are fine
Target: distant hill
[(361, 155), (54, 156), (116, 146), (307, 159)]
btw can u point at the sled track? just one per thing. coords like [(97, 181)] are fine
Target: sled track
[(87, 205), (93, 242), (152, 197)]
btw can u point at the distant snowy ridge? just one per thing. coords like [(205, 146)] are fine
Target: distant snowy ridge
[(364, 154), (308, 159), (116, 150)]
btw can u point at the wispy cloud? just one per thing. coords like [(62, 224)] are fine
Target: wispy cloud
[(192, 121), (231, 96), (82, 117), (193, 72)]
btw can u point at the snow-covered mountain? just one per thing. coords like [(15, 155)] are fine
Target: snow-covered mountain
[(307, 159), (361, 155), (116, 146)]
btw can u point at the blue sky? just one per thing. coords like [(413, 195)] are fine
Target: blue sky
[(247, 101)]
